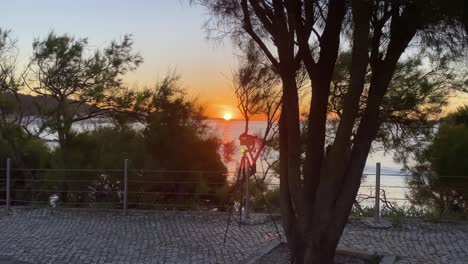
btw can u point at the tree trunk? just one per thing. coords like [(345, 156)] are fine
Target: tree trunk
[(317, 191), (323, 254), (317, 241)]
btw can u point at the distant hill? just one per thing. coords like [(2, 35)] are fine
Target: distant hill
[(30, 103)]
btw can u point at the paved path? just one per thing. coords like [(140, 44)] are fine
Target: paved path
[(414, 242), (11, 260), (72, 236)]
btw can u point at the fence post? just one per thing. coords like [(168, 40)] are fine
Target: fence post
[(125, 202), (8, 183), (200, 181), (377, 192), (247, 193)]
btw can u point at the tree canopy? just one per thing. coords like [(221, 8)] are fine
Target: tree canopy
[(82, 85), (159, 129), (440, 178)]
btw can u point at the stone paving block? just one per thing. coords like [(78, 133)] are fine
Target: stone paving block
[(78, 236)]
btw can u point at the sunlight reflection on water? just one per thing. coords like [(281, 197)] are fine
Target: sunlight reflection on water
[(392, 179)]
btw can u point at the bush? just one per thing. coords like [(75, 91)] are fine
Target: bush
[(25, 152), (271, 195), (441, 175)]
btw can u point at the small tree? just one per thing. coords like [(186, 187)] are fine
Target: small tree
[(317, 194), (178, 140), (78, 86), (75, 85), (172, 142), (440, 178), (258, 93), (25, 150)]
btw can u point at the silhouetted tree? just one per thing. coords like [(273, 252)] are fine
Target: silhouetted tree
[(24, 149), (258, 93), (415, 100), (177, 138), (174, 158), (440, 178), (316, 198), (81, 86)]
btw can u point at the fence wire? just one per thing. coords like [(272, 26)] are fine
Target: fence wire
[(165, 189)]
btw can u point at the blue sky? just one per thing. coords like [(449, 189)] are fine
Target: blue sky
[(169, 34)]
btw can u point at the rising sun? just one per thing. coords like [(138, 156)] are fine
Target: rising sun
[(227, 116)]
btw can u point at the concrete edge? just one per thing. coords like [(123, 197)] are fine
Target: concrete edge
[(261, 252), (386, 259), (416, 219), (354, 252)]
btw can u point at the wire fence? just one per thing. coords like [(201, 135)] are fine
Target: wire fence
[(119, 189), (128, 189)]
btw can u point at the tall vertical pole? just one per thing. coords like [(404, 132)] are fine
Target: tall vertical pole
[(377, 192), (241, 206), (8, 183), (125, 202), (247, 193)]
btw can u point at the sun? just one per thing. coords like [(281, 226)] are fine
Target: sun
[(227, 116)]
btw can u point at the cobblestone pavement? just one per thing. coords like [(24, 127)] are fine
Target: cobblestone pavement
[(72, 236), (280, 255), (76, 236), (414, 242)]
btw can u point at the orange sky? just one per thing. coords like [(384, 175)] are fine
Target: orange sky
[(169, 35)]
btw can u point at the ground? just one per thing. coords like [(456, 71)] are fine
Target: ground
[(77, 236), (71, 236), (415, 241), (280, 255)]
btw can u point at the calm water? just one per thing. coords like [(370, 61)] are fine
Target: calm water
[(232, 129), (391, 181)]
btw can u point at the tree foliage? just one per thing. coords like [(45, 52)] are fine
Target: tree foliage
[(318, 188), (172, 152), (160, 130), (81, 85), (258, 93), (417, 95), (174, 158), (440, 180), (26, 149)]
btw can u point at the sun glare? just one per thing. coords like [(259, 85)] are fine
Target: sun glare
[(227, 116)]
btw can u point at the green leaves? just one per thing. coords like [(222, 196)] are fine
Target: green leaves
[(61, 67), (440, 179), (444, 26), (82, 85)]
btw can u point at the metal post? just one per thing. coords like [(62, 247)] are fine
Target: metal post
[(377, 192), (247, 193), (8, 179), (125, 187)]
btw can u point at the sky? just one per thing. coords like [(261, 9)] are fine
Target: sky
[(169, 35)]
